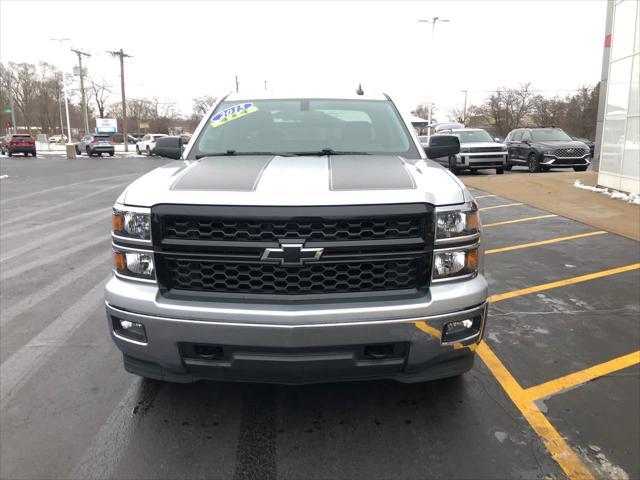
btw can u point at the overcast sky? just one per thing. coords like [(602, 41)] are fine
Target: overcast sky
[(186, 49)]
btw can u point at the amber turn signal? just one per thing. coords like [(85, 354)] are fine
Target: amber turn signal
[(119, 260), (117, 221)]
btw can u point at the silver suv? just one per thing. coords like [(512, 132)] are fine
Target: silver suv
[(298, 240)]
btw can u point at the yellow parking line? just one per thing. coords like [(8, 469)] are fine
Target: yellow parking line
[(544, 242), (562, 283), (484, 196), (518, 220), (583, 376), (500, 206), (561, 452)]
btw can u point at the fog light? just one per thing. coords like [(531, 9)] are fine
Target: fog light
[(130, 330), (460, 329)]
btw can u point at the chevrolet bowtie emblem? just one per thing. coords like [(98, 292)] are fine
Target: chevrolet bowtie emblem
[(292, 254)]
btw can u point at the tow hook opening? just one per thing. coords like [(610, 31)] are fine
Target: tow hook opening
[(383, 350), (208, 352)]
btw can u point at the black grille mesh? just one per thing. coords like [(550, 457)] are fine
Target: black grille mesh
[(317, 278), (485, 149), (270, 231), (570, 152)]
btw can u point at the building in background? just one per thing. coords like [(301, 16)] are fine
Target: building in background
[(618, 134)]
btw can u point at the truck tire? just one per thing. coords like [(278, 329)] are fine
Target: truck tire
[(500, 170), (508, 165), (148, 152), (138, 150), (453, 168), (89, 154), (534, 164), (111, 154)]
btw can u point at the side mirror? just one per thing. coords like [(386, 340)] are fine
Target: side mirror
[(169, 147), (442, 146)]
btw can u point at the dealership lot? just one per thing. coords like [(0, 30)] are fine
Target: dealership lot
[(564, 312)]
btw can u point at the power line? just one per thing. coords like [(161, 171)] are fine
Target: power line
[(121, 55)]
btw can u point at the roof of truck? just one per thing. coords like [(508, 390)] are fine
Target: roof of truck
[(287, 94)]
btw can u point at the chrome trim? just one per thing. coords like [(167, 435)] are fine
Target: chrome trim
[(124, 208), (462, 314), (464, 238), (135, 279), (143, 344), (462, 340), (130, 239), (468, 276), (115, 247), (461, 247)]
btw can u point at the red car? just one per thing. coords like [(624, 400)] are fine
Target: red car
[(19, 143)]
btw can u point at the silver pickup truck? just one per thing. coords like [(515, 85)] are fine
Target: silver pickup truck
[(298, 240)]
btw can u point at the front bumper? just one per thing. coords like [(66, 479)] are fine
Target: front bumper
[(481, 160), (568, 162), (21, 149), (102, 149), (297, 344)]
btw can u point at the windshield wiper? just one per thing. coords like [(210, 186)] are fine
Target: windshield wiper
[(230, 153), (326, 151)]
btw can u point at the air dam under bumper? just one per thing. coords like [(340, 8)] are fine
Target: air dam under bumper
[(297, 344)]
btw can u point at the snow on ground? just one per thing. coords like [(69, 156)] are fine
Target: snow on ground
[(614, 194), (2, 177)]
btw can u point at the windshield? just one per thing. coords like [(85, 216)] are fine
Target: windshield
[(304, 126), (549, 135), (473, 136)]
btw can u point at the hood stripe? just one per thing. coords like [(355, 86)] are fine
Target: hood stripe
[(369, 172), (231, 173)]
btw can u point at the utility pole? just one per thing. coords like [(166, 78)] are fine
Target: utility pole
[(433, 21), (64, 88), (120, 53), (237, 85), (464, 110), (13, 107), (81, 54)]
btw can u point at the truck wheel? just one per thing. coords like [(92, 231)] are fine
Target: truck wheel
[(111, 154), (89, 152), (33, 153), (10, 153), (582, 168), (453, 168), (500, 170), (508, 165), (138, 150), (534, 164), (78, 152), (148, 152)]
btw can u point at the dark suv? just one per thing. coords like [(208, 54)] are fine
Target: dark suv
[(545, 148)]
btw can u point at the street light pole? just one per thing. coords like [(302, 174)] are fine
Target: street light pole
[(464, 110), (433, 21), (64, 89)]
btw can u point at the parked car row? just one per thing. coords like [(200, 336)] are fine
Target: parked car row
[(538, 149)]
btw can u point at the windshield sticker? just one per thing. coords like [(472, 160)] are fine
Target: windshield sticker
[(231, 113)]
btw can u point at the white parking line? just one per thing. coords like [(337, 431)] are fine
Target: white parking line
[(62, 187), (8, 314), (76, 201), (31, 229), (19, 367), (65, 232), (48, 259), (101, 458)]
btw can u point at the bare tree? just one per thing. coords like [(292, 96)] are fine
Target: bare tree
[(100, 92), (202, 104), (505, 109), (548, 111), (23, 89)]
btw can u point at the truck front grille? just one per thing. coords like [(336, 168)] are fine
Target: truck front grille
[(221, 252), (485, 149), (269, 231), (318, 278)]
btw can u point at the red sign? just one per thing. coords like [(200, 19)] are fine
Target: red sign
[(607, 41)]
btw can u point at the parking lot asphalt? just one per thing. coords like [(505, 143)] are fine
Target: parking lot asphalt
[(554, 392)]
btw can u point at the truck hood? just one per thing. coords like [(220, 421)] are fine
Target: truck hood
[(481, 144), (304, 180)]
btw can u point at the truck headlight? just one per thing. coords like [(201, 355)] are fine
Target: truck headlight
[(457, 224), (132, 222), (452, 263), (135, 264)]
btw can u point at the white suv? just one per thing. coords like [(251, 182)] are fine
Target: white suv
[(148, 143)]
